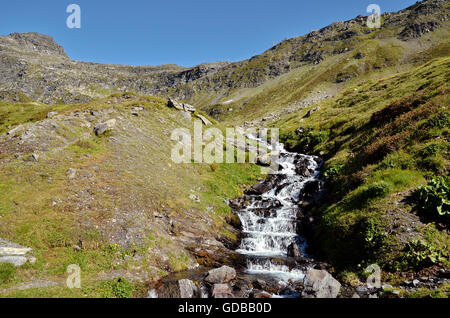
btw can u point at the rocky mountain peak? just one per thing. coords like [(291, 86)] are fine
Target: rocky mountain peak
[(34, 42)]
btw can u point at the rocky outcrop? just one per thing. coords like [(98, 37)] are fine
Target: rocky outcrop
[(14, 254), (69, 81), (34, 42)]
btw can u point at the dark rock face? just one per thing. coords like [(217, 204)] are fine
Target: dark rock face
[(266, 185), (294, 251), (418, 29)]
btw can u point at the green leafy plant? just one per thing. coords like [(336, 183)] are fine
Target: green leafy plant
[(434, 197), (419, 254), (331, 172), (119, 288)]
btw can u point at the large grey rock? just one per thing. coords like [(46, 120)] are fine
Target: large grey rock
[(320, 284), (189, 108), (188, 289), (19, 251), (15, 260), (221, 275), (174, 104), (101, 128)]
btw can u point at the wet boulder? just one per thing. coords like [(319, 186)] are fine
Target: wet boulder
[(294, 251), (221, 275), (222, 291)]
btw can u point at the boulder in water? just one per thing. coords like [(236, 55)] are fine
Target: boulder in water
[(221, 275), (320, 284), (294, 251)]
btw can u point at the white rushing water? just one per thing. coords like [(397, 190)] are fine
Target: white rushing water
[(270, 224)]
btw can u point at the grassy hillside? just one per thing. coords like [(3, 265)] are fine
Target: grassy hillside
[(382, 140), (128, 210)]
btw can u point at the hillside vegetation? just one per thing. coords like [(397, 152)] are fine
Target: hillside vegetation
[(115, 203), (382, 139)]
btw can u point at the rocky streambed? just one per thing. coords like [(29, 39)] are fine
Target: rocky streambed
[(272, 258)]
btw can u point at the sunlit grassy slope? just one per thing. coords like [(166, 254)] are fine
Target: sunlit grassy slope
[(382, 139), (129, 210)]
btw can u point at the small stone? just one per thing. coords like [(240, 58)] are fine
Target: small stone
[(222, 291), (415, 282), (52, 114), (32, 259), (34, 157), (71, 174), (355, 295), (362, 290), (194, 197)]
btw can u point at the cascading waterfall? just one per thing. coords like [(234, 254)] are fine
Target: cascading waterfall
[(269, 223)]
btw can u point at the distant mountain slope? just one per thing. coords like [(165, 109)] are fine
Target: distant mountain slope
[(38, 67)]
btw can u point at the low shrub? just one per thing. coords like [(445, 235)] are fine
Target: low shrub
[(375, 190), (419, 254), (334, 171), (7, 272), (434, 197)]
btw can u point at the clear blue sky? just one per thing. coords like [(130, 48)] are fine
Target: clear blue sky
[(184, 32)]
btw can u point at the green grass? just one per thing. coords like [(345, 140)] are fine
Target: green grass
[(40, 206), (381, 140)]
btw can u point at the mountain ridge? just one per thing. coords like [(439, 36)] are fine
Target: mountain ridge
[(204, 84)]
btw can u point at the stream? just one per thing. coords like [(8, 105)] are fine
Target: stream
[(270, 217)]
